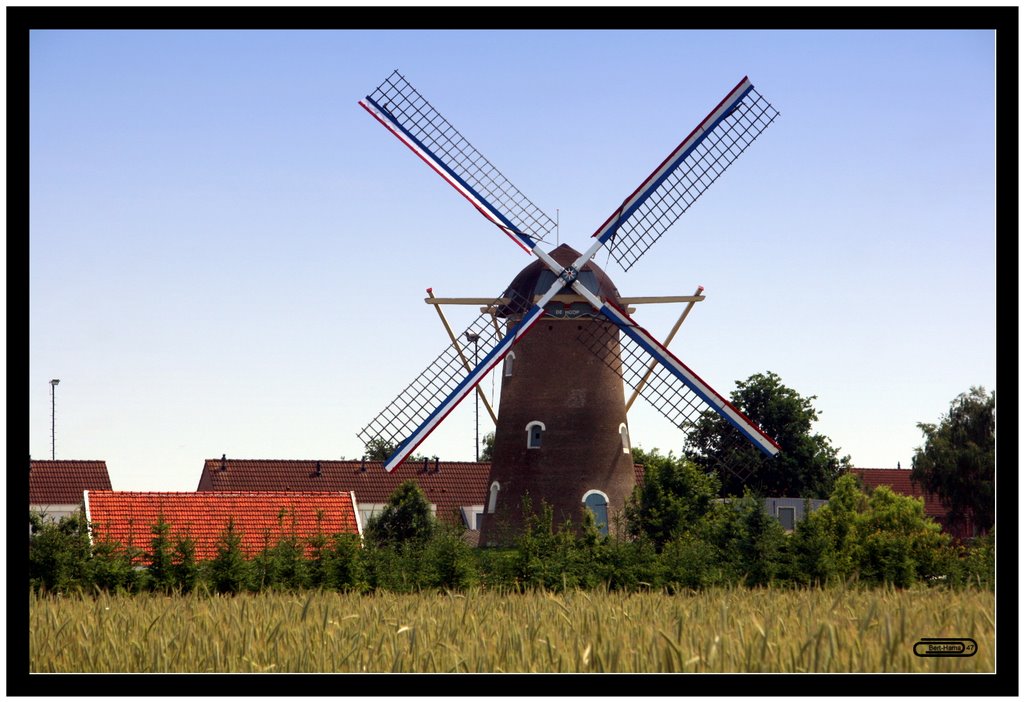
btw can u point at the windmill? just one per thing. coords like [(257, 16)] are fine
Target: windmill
[(561, 432)]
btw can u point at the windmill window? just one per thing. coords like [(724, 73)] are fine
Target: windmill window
[(624, 434), (597, 502), (509, 360), (534, 431), (493, 501)]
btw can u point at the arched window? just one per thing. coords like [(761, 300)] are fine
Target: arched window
[(534, 430), (494, 497), (624, 433), (509, 360), (597, 502)]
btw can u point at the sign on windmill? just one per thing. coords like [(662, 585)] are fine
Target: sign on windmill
[(561, 435)]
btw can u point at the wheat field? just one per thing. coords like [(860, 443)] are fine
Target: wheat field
[(720, 631)]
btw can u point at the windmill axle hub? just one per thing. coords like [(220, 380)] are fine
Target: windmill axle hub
[(569, 275)]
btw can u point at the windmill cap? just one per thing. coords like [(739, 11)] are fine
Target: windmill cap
[(537, 278)]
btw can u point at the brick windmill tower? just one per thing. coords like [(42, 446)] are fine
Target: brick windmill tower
[(562, 435)]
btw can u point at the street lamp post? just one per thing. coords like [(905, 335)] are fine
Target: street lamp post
[(53, 418), (474, 339)]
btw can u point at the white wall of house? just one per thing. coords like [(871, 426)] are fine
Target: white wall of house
[(471, 516), (55, 513), (790, 510), (369, 510)]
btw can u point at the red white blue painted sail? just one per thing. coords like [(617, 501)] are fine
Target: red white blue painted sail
[(679, 369), (641, 219), (441, 168), (464, 388), (673, 160)]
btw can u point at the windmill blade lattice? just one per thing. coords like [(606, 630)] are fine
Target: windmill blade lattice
[(666, 393), (689, 171), (458, 161), (420, 398), (628, 233)]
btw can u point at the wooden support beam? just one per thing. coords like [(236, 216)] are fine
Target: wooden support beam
[(493, 311), (451, 335), (696, 297), (464, 300), (661, 299), (648, 300)]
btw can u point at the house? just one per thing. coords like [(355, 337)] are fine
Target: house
[(788, 510), (791, 510), (55, 488), (455, 490), (260, 518), (900, 482)]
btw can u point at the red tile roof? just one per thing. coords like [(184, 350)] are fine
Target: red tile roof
[(62, 482), (899, 481), (448, 484), (128, 517)]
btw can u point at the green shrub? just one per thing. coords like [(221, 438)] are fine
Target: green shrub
[(160, 572), (978, 561), (450, 559), (343, 564), (691, 562), (405, 518), (229, 570), (673, 497), (116, 568), (59, 553), (185, 569)]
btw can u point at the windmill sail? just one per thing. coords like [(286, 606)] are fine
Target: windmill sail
[(686, 173), (670, 386), (408, 419), (407, 114), (628, 233)]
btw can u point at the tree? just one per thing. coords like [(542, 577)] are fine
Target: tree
[(161, 574), (878, 538), (807, 464), (59, 552), (343, 566), (405, 518), (825, 543), (380, 449), (185, 567), (898, 542), (674, 495), (957, 461), (487, 454), (229, 569)]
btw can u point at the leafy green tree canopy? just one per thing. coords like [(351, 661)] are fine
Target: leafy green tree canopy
[(807, 465), (380, 449), (957, 461), (673, 497), (405, 518), (487, 452)]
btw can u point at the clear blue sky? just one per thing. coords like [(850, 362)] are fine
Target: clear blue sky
[(228, 255)]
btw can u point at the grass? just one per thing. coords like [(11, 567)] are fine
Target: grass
[(728, 630)]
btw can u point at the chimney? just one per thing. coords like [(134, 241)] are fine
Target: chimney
[(362, 464), (425, 462), (223, 461), (437, 464), (319, 472)]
